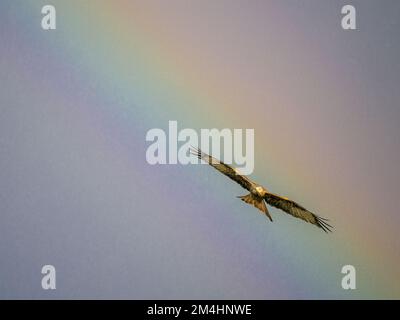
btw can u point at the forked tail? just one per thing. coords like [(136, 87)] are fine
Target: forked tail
[(256, 202)]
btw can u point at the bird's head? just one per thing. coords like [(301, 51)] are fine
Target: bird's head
[(261, 191)]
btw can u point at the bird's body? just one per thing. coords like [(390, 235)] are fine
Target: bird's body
[(259, 195)]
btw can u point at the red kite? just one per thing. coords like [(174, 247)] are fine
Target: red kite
[(258, 194)]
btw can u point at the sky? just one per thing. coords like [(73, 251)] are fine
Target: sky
[(77, 193)]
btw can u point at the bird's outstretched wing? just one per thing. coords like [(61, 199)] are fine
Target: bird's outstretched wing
[(296, 210), (223, 168)]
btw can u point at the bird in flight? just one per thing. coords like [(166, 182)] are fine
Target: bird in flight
[(258, 194)]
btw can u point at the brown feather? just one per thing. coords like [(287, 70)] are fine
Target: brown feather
[(257, 202), (223, 168), (296, 210)]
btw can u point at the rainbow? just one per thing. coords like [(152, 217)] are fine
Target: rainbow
[(116, 69)]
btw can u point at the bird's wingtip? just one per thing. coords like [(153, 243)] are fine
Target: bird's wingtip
[(321, 222)]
